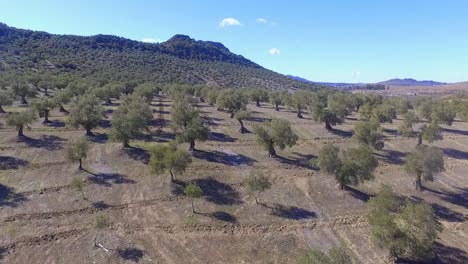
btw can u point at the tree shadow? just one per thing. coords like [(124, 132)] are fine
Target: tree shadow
[(303, 161), (100, 205), (11, 163), (164, 112), (164, 136), (105, 123), (449, 255), (359, 194), (217, 192), (109, 111), (131, 254), (56, 123), (160, 105), (455, 153), (258, 119), (290, 212), (394, 156), (391, 131), (107, 179), (8, 197), (48, 142), (158, 122), (139, 154), (457, 198), (233, 159), (100, 138), (221, 137), (341, 133), (455, 131), (223, 216), (448, 214)]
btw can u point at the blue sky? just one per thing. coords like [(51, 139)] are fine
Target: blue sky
[(336, 41)]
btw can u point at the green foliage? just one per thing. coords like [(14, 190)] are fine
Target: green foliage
[(43, 106), (256, 183), (128, 121), (461, 106), (20, 120), (108, 91), (63, 97), (258, 95), (365, 112), (102, 221), (87, 112), (368, 133), (407, 230), (78, 184), (146, 90), (357, 165), (336, 255), (232, 100), (406, 127), (6, 98), (299, 101), (400, 104), (430, 133), (23, 90), (329, 108), (168, 157), (424, 163), (77, 150), (443, 112), (328, 159), (384, 113), (277, 133), (423, 106), (192, 190), (277, 98)]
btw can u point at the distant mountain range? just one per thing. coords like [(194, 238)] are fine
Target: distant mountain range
[(180, 59), (392, 82)]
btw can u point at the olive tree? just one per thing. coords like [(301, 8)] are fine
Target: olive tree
[(443, 112), (384, 113), (357, 165), (231, 100), (87, 112), (369, 133), (78, 184), (62, 98), (277, 98), (77, 150), (329, 109), (188, 124), (406, 229), (256, 184), (168, 157), (299, 101), (20, 120), (23, 90), (146, 90), (429, 133), (258, 95), (107, 92), (6, 98), (424, 163), (277, 133), (193, 191), (406, 127), (240, 116), (43, 106), (130, 119), (328, 159)]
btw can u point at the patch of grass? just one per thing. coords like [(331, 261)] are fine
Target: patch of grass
[(102, 221)]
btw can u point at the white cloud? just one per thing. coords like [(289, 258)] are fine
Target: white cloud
[(150, 40), (262, 20), (356, 73), (229, 22), (275, 51)]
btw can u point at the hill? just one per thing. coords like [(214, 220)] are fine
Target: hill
[(410, 82), (180, 59)]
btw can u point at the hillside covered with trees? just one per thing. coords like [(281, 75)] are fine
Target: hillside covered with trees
[(111, 58)]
